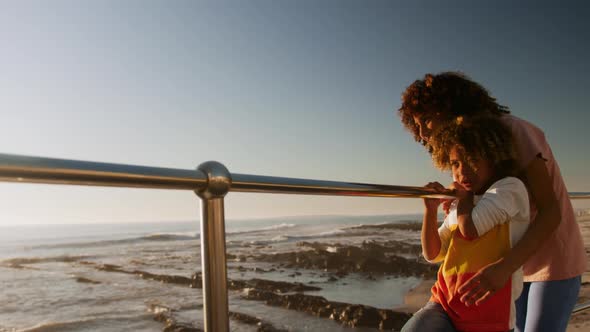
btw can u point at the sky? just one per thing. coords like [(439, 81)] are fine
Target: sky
[(305, 89)]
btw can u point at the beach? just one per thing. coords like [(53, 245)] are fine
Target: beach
[(289, 274)]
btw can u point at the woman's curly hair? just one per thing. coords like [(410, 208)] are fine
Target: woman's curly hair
[(446, 95), (478, 138)]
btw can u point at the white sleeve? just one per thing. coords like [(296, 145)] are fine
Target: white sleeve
[(504, 200)]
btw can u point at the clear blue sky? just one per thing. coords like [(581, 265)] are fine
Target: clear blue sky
[(284, 88)]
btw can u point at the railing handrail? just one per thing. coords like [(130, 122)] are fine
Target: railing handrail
[(211, 181), (17, 168), (28, 169), (578, 195)]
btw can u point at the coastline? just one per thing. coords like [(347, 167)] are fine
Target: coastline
[(579, 322), (279, 277), (295, 276)]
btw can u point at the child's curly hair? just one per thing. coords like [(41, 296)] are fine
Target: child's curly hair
[(446, 95), (479, 138)]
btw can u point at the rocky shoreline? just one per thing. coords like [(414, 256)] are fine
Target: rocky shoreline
[(338, 260), (333, 260), (268, 280), (369, 257)]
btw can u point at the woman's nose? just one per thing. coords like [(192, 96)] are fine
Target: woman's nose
[(460, 170)]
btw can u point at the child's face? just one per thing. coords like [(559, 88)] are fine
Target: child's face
[(473, 180)]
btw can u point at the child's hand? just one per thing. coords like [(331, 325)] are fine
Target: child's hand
[(433, 203), (460, 191), (446, 205)]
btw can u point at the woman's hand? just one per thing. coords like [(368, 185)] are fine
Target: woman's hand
[(485, 283)]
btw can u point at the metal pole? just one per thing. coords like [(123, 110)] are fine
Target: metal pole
[(213, 262)]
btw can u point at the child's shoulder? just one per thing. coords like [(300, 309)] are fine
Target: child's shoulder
[(509, 183)]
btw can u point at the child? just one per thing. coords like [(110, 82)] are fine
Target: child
[(488, 217)]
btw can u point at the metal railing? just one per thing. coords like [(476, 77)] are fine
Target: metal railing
[(211, 181)]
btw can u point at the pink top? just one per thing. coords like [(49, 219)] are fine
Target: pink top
[(563, 255)]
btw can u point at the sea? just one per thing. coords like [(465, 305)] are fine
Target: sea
[(50, 278)]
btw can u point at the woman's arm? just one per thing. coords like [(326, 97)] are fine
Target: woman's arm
[(492, 277), (548, 216)]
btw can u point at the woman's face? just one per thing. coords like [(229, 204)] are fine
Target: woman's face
[(426, 123)]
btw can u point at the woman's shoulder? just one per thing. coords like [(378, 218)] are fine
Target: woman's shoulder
[(517, 124), (530, 141)]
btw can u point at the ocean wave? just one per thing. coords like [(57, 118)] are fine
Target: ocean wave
[(275, 227), (36, 260), (281, 238), (104, 243), (277, 239), (295, 238), (403, 225), (89, 323), (332, 232), (262, 229), (171, 236)]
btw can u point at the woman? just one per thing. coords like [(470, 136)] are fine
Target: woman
[(551, 251)]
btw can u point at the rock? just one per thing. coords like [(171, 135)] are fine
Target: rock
[(165, 315), (348, 314), (86, 280), (370, 257), (251, 320)]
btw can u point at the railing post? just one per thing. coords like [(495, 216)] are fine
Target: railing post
[(213, 262)]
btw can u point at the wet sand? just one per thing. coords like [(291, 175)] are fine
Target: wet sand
[(417, 296)]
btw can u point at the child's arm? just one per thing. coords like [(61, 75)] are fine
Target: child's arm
[(430, 239), (504, 200), (431, 242), (509, 200), (464, 209), (464, 219)]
